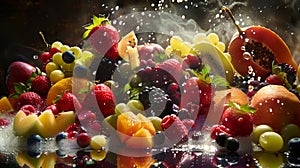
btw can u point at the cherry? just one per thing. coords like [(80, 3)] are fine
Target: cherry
[(54, 50), (45, 56), (83, 140)]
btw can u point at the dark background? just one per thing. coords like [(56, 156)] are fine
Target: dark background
[(22, 20)]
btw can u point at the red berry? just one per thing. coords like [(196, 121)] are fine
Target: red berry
[(53, 51), (217, 129), (73, 127), (4, 122), (72, 135), (274, 80), (28, 109), (31, 98), (68, 102), (45, 56), (53, 108), (174, 129), (41, 85), (83, 140)]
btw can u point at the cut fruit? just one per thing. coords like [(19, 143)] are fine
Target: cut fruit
[(24, 125), (24, 160), (128, 41), (212, 56), (53, 125), (142, 139), (146, 123), (5, 105), (127, 124)]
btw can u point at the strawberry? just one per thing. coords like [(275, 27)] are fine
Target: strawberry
[(41, 85), (103, 37), (174, 128), (104, 97), (199, 90), (31, 98), (238, 119), (68, 102)]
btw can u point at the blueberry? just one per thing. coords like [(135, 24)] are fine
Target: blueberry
[(34, 152), (34, 140), (220, 160), (232, 158), (293, 160), (60, 136), (80, 71), (68, 57), (294, 146), (221, 139), (232, 144)]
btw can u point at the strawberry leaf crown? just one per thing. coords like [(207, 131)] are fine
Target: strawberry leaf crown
[(245, 108), (205, 76), (96, 21), (21, 87)]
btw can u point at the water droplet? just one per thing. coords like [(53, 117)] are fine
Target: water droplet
[(270, 110), (35, 57), (246, 55)]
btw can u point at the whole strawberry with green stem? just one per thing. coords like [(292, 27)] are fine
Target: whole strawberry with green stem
[(238, 119), (199, 90), (102, 96), (103, 37), (68, 102)]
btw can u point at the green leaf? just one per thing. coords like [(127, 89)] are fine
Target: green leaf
[(96, 20), (220, 81), (20, 88), (242, 108), (89, 26), (14, 96)]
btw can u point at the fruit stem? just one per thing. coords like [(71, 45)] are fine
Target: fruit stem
[(43, 37), (228, 11)]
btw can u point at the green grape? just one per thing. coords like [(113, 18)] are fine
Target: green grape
[(98, 155), (185, 48), (98, 141), (168, 50), (290, 131), (57, 58), (77, 51), (121, 108), (56, 76), (269, 160), (199, 38), (213, 38), (271, 141), (260, 129), (68, 67), (176, 42), (111, 121), (221, 46), (135, 106), (51, 66), (156, 121), (56, 44), (64, 48), (86, 58)]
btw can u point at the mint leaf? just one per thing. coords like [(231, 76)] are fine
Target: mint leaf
[(242, 108)]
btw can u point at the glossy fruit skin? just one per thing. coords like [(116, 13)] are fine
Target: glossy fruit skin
[(83, 140), (238, 123), (294, 146), (197, 92), (31, 98), (268, 38), (174, 129), (147, 51), (103, 39), (232, 144), (18, 72), (68, 57), (68, 102), (41, 85), (104, 97), (275, 106)]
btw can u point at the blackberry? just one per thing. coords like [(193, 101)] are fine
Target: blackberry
[(290, 72), (108, 66)]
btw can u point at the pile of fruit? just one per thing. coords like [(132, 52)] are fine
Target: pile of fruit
[(130, 98)]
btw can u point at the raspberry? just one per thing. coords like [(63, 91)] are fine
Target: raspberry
[(174, 129)]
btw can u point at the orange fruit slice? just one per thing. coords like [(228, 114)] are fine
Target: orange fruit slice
[(74, 85), (5, 105)]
